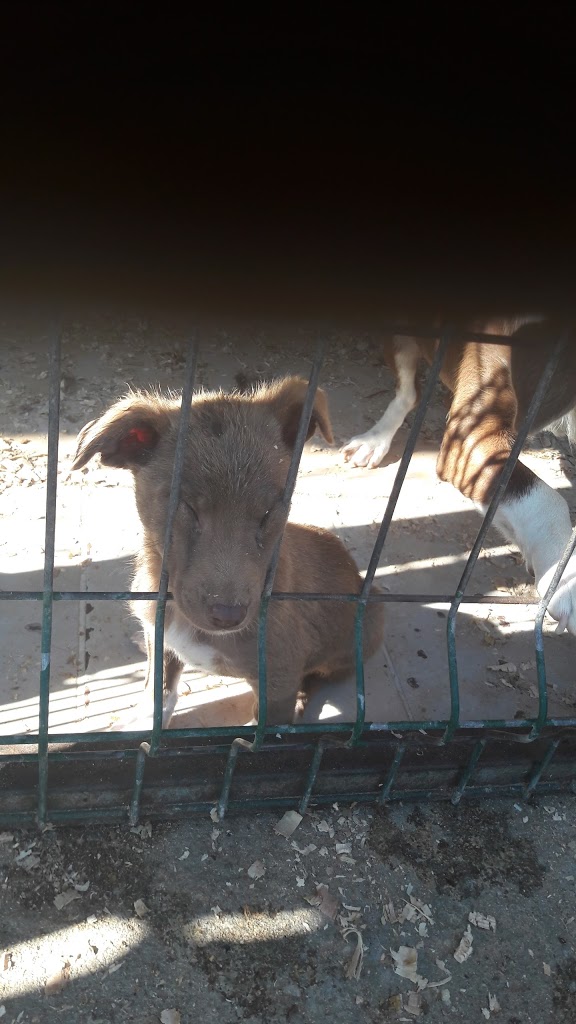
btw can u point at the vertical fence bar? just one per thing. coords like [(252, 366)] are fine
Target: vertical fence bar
[(392, 773), (468, 772), (286, 501), (312, 774), (421, 411), (501, 486), (48, 581), (539, 768), (235, 747), (184, 419), (139, 770)]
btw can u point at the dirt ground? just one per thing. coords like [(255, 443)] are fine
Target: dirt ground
[(233, 922), (358, 913)]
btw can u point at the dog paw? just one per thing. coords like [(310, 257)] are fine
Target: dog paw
[(367, 450), (562, 605)]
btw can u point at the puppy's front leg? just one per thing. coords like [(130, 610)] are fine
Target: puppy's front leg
[(172, 670), (281, 699)]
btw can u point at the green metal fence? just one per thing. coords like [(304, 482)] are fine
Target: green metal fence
[(76, 777)]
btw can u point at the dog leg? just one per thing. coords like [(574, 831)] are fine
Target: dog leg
[(172, 670), (281, 703), (370, 448), (477, 441), (539, 522)]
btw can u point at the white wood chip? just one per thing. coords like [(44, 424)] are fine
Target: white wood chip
[(256, 870), (485, 921), (141, 908), (406, 963), (413, 1004), (288, 824), (354, 967), (465, 948), (64, 898), (170, 1017)]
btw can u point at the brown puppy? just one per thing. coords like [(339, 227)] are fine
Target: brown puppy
[(228, 521)]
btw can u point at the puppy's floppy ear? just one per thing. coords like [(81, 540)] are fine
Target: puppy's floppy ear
[(126, 435), (286, 399)]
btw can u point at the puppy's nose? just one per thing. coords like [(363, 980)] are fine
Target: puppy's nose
[(227, 616)]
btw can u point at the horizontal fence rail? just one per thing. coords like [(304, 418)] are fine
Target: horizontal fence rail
[(78, 777)]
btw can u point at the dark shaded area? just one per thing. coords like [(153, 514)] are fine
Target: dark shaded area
[(564, 998), (359, 169), (462, 854)]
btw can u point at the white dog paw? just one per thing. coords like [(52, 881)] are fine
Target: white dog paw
[(562, 605), (366, 450)]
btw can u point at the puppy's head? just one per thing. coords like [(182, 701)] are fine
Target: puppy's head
[(230, 512)]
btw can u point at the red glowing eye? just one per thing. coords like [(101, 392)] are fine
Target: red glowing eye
[(142, 435), (138, 440)]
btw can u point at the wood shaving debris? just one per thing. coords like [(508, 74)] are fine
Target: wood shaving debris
[(465, 948), (343, 847), (324, 826), (115, 967), (326, 903), (413, 1004), (354, 967), (288, 824), (485, 921), (214, 814), (82, 887), (304, 850), (486, 1013), (6, 837), (345, 859), (2, 1010), (184, 855), (406, 962), (415, 909), (547, 969), (64, 898), (493, 1004), (256, 870), (8, 962), (389, 915), (443, 981), (170, 1017), (141, 908), (300, 881)]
